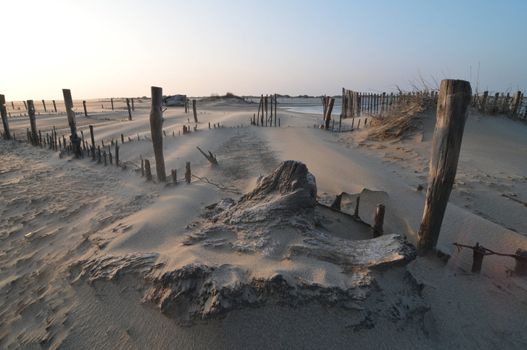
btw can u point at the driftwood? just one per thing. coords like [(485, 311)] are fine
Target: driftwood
[(210, 157)]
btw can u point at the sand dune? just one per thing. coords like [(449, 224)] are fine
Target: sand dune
[(95, 257)]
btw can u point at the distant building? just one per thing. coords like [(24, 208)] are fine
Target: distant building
[(175, 100)]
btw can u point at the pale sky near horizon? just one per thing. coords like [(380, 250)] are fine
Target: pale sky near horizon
[(122, 47)]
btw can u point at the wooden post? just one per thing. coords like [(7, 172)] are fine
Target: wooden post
[(186, 105), (378, 221), (275, 110), (54, 106), (32, 121), (329, 109), (174, 176), (111, 101), (116, 154), (5, 122), (92, 142), (188, 173), (452, 112), (148, 172), (74, 138), (516, 103), (483, 102), (129, 110), (85, 110), (44, 105), (266, 105), (194, 111), (156, 126)]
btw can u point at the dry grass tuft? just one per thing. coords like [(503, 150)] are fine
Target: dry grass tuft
[(403, 118)]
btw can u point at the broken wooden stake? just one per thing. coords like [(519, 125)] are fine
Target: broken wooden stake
[(210, 157), (148, 171), (378, 221)]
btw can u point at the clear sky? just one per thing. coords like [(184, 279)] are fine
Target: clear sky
[(122, 47)]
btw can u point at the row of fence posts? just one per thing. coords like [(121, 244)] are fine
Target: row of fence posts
[(102, 154), (267, 112), (501, 103), (129, 102)]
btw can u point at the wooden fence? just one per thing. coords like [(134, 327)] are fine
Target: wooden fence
[(513, 106), (355, 104)]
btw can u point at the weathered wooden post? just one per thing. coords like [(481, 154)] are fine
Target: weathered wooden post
[(378, 221), (148, 172), (156, 129), (92, 142), (452, 111), (74, 138), (483, 102), (32, 122), (194, 111), (44, 105), (174, 176), (3, 113), (329, 109), (111, 101), (85, 110), (116, 154), (129, 110), (275, 104), (188, 173), (516, 103), (54, 106)]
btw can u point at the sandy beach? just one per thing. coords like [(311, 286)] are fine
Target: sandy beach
[(248, 255)]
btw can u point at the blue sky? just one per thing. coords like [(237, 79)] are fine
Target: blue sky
[(120, 48)]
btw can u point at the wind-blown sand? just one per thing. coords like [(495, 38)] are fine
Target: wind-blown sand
[(95, 257)]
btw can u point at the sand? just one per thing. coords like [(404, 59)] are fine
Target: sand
[(95, 257)]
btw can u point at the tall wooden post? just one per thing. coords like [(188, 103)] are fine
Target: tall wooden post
[(194, 111), (55, 106), (74, 138), (3, 113), (44, 105), (85, 110), (275, 104), (156, 129), (32, 122), (129, 110), (452, 112), (111, 101)]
